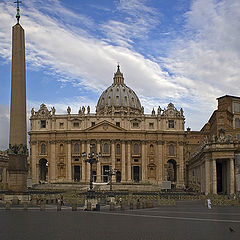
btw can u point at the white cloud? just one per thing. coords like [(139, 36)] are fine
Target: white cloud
[(208, 61), (132, 19)]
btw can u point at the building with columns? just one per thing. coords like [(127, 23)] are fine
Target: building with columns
[(142, 148), (4, 158), (214, 165)]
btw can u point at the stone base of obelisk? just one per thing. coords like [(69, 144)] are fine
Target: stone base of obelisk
[(17, 170)]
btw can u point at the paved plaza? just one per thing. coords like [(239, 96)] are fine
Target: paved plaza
[(187, 220)]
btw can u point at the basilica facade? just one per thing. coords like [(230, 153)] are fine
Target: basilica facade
[(139, 147)]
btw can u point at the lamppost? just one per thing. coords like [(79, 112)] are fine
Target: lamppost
[(111, 172), (92, 158)]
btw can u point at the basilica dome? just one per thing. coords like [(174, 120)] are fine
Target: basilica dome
[(119, 97)]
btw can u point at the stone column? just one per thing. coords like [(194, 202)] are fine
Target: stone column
[(98, 164), (87, 164), (160, 162), (214, 177), (34, 152), (129, 165), (113, 159), (52, 154), (144, 160), (123, 174), (69, 161), (231, 176), (83, 164), (202, 178), (207, 176), (181, 165)]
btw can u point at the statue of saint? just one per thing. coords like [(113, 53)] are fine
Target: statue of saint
[(53, 111), (153, 112), (159, 110), (88, 110), (181, 112), (83, 110), (32, 112), (68, 110), (80, 111)]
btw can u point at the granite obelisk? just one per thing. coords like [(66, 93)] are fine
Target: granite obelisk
[(18, 125)]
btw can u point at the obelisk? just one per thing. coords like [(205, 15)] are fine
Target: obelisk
[(18, 125)]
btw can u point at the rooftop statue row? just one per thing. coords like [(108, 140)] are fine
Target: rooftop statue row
[(170, 111)]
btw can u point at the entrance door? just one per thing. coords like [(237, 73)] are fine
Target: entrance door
[(43, 169), (222, 175), (118, 176), (76, 173), (105, 173), (136, 173), (219, 178)]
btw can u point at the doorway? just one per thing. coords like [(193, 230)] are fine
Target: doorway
[(221, 167), (43, 169), (76, 173), (105, 173), (136, 173), (118, 176)]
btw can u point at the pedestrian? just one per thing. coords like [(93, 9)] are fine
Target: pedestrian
[(61, 198), (209, 203)]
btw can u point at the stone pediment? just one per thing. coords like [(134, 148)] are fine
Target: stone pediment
[(43, 112), (136, 120), (105, 126)]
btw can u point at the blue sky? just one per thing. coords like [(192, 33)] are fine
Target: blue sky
[(181, 51)]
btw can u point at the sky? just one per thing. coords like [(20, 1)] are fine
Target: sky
[(182, 51)]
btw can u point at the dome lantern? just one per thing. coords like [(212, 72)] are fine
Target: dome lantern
[(118, 76)]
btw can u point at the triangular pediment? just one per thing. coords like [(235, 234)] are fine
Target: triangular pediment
[(105, 126)]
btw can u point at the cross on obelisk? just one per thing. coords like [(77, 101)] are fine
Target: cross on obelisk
[(18, 10), (17, 166)]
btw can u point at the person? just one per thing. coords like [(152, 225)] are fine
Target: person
[(209, 203)]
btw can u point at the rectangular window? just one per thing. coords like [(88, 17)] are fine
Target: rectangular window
[(118, 159), (76, 124), (170, 123), (135, 125), (118, 124), (236, 107), (76, 159), (61, 125), (43, 124), (151, 125), (135, 160), (93, 124)]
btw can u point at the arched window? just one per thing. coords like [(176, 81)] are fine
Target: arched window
[(151, 148), (43, 148), (237, 123), (171, 150), (136, 148), (106, 148), (76, 148), (61, 148), (118, 149)]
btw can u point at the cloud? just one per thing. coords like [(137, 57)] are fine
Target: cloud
[(207, 60), (131, 20)]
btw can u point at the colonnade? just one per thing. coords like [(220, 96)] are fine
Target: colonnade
[(125, 165)]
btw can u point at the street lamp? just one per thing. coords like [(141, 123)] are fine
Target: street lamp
[(92, 158), (110, 173)]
